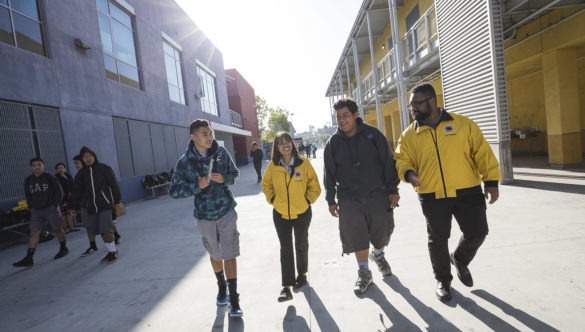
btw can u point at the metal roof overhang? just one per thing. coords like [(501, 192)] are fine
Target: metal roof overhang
[(515, 14)]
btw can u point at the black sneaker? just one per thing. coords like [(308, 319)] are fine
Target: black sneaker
[(363, 281), (300, 282), (222, 297), (117, 237), (62, 253), (235, 310), (88, 252), (285, 295), (110, 258), (25, 262)]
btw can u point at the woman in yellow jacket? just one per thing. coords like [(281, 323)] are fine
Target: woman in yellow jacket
[(291, 186)]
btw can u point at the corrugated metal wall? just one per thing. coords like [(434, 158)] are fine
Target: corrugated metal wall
[(472, 63), (148, 148)]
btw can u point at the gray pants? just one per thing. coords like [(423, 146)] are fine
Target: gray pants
[(40, 218), (97, 223)]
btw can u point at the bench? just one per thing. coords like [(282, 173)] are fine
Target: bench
[(159, 189), (11, 228)]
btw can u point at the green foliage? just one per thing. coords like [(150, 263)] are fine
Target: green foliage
[(271, 120)]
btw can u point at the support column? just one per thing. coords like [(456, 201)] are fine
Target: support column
[(358, 78), (561, 99), (374, 74)]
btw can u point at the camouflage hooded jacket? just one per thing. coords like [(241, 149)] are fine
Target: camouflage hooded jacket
[(215, 201)]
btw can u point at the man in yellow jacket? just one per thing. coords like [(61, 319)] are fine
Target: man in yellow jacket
[(445, 157)]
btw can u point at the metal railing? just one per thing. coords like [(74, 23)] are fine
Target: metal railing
[(237, 119), (419, 41)]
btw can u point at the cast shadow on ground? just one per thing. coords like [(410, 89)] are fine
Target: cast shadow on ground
[(294, 323), (398, 322), (550, 186), (531, 322), (324, 319), (433, 319), (489, 319)]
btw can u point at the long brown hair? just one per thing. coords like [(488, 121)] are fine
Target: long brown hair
[(280, 137)]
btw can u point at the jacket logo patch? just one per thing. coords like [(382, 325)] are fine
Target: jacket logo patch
[(297, 175), (449, 129)]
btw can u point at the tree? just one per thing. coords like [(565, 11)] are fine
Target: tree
[(262, 111), (270, 120)]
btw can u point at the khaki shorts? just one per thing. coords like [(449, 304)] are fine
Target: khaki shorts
[(220, 237), (40, 218)]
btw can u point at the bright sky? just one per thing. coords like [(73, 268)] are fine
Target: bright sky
[(286, 49)]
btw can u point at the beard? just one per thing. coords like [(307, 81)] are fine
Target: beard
[(420, 115)]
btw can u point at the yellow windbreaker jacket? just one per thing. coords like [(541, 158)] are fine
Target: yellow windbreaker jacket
[(449, 159), (291, 195)]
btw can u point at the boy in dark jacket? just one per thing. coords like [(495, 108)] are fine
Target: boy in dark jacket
[(361, 173), (43, 195), (205, 171), (97, 188)]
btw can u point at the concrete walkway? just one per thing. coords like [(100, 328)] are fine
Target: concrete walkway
[(529, 274)]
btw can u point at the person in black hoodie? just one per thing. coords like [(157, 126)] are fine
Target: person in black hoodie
[(257, 156), (43, 195), (96, 192), (361, 172)]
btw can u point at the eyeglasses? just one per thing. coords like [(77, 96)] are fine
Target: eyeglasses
[(414, 104), (344, 116)]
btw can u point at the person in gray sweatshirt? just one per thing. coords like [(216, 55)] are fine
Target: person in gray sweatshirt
[(361, 172), (43, 195)]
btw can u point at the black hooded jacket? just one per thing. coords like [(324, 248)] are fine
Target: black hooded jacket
[(95, 186), (357, 166)]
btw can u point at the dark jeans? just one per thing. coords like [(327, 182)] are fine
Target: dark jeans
[(284, 229), (258, 168), (469, 211)]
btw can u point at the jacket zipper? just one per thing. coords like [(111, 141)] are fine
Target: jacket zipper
[(287, 184), (440, 164), (92, 187)]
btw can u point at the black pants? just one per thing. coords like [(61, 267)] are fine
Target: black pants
[(469, 211), (258, 168), (284, 229)]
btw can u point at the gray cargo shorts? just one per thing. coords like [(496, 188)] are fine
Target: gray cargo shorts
[(220, 237), (97, 223), (39, 218), (365, 220)]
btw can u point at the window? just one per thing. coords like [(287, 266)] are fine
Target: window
[(21, 26), (118, 45), (174, 76), (208, 99)]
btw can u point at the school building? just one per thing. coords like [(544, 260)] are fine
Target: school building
[(123, 77), (515, 67)]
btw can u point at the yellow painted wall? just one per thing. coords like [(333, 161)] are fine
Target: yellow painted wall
[(581, 80), (526, 109)]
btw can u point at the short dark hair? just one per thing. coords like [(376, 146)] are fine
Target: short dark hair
[(346, 102), (78, 158), (425, 89), (198, 123), (60, 164), (280, 137), (35, 159)]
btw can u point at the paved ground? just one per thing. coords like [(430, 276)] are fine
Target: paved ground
[(529, 275)]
